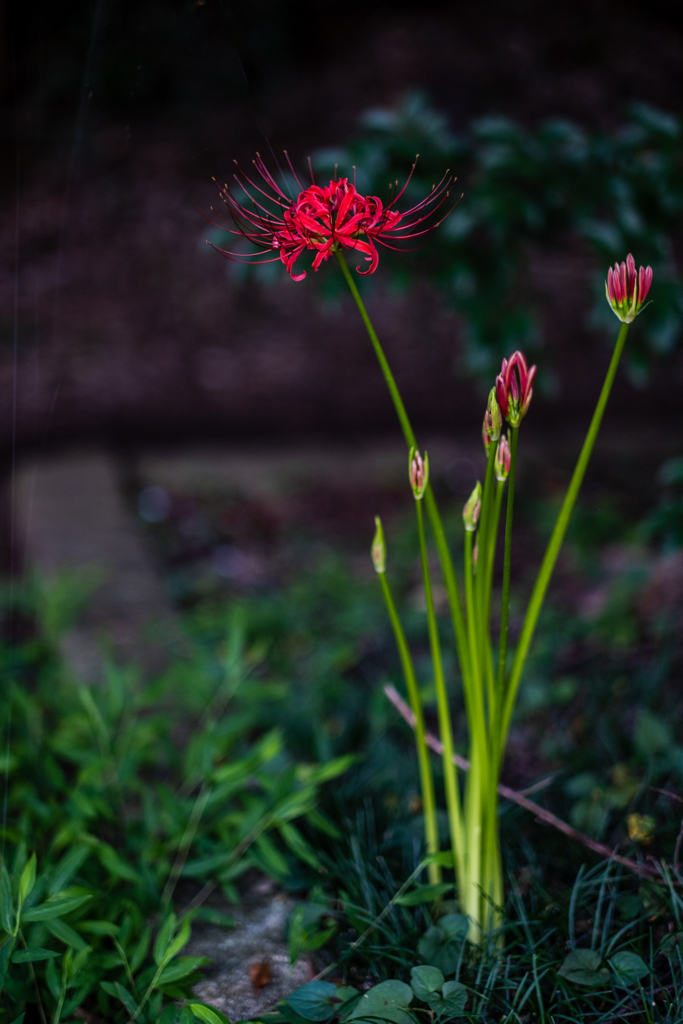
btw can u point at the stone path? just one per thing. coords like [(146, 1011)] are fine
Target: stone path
[(73, 518)]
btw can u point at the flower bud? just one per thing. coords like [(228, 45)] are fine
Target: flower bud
[(514, 388), (379, 551), (419, 473), (470, 513), (501, 462), (627, 289), (492, 421)]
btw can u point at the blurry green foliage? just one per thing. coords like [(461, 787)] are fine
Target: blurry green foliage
[(126, 790), (553, 189)]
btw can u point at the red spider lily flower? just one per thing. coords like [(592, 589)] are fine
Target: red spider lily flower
[(514, 388), (419, 472), (627, 290), (324, 219)]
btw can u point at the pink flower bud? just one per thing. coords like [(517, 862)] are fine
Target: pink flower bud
[(514, 388), (627, 290), (501, 462), (419, 473), (379, 550), (492, 421), (470, 513)]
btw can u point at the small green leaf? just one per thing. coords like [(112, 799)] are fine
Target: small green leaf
[(314, 1001), (54, 908), (6, 901), (99, 927), (28, 879), (115, 864), (181, 968), (629, 968), (212, 916), (207, 1014), (444, 859), (181, 939), (5, 954), (425, 980), (118, 991), (582, 967), (140, 951), (163, 939), (423, 894), (66, 934), (33, 953)]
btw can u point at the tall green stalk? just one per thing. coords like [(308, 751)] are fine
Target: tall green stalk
[(449, 770), (426, 777), (505, 597), (556, 538), (436, 524)]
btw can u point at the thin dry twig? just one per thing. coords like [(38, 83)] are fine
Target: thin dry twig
[(518, 798)]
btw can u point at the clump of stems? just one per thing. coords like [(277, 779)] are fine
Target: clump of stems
[(489, 686)]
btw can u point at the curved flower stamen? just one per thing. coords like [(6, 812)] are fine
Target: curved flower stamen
[(323, 219)]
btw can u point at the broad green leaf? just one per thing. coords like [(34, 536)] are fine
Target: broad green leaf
[(582, 967), (629, 967), (423, 894), (6, 901), (425, 980), (389, 1000), (163, 939), (181, 968), (19, 1019), (28, 879), (33, 953), (54, 908), (455, 926), (629, 906), (454, 999), (314, 1001), (441, 945), (66, 934), (207, 1014)]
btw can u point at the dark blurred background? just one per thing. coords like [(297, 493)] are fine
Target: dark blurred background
[(119, 323)]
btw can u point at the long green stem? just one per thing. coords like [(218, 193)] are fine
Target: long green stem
[(424, 762), (482, 579), (505, 597), (432, 511), (555, 542), (449, 769)]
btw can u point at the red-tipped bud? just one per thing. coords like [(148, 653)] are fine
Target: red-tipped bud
[(627, 289), (492, 421), (501, 462), (419, 473), (470, 513), (379, 551), (514, 388)]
